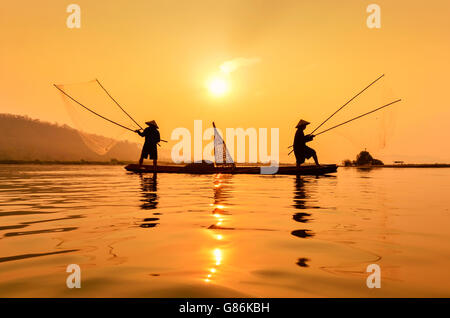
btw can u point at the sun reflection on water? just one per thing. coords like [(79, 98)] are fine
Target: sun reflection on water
[(219, 217)]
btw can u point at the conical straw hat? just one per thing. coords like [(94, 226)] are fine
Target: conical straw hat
[(152, 123), (302, 123)]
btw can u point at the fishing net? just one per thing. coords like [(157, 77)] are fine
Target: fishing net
[(85, 103), (375, 130)]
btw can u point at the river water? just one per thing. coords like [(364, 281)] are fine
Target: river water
[(221, 235)]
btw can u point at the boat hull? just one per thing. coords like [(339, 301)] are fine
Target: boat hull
[(191, 169)]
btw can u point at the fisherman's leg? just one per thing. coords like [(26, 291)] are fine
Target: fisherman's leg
[(154, 156), (141, 159), (309, 152), (298, 158), (300, 161), (315, 158)]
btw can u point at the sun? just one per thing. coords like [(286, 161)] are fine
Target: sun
[(218, 86)]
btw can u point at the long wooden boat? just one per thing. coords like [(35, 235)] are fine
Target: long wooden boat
[(212, 169), (227, 166)]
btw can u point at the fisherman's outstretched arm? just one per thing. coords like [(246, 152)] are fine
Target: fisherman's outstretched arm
[(308, 138), (139, 133)]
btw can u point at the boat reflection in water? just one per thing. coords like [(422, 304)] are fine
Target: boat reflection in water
[(149, 199), (221, 187)]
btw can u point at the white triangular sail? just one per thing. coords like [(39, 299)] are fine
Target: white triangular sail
[(221, 154)]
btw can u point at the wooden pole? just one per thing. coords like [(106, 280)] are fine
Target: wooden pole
[(345, 122), (118, 104), (111, 121), (347, 103)]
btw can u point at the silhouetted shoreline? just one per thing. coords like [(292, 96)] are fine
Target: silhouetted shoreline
[(412, 165), (120, 162), (58, 162)]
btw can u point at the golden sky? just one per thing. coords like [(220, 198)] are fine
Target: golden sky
[(309, 57)]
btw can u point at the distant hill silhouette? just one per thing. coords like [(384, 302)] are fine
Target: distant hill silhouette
[(23, 138)]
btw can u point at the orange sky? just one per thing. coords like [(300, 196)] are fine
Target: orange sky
[(155, 56)]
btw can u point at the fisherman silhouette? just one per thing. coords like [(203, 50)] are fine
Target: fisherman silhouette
[(152, 138), (301, 150)]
